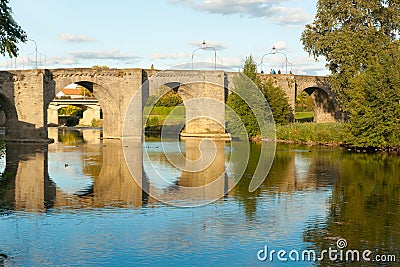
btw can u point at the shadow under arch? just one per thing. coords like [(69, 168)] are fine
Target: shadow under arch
[(324, 106), (11, 115)]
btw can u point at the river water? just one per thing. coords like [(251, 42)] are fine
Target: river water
[(76, 203)]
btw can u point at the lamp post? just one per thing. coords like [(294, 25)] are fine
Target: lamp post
[(36, 52), (273, 52), (205, 47), (220, 59), (291, 66)]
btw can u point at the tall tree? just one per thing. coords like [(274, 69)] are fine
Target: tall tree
[(360, 41), (239, 105), (349, 33), (274, 96), (10, 32), (277, 100), (374, 114)]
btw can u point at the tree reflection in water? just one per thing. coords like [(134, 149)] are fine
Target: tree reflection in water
[(364, 207)]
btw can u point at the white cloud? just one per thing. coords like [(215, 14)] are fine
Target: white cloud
[(290, 16), (271, 9), (235, 63), (113, 54), (309, 66), (215, 44), (281, 45), (62, 61), (170, 56), (81, 56), (254, 8), (75, 38)]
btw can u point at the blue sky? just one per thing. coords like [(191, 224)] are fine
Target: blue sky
[(137, 34)]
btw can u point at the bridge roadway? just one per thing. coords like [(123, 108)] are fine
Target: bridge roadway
[(75, 101), (26, 95)]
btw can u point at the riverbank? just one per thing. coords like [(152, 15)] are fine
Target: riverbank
[(328, 134), (311, 133)]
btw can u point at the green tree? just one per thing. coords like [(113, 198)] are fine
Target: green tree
[(85, 92), (10, 32), (374, 116), (239, 106), (348, 34), (70, 111), (277, 100), (304, 102), (169, 98), (273, 95), (360, 41)]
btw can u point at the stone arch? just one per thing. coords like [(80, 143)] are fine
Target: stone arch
[(11, 114), (181, 89), (324, 106), (174, 125), (203, 101), (110, 108)]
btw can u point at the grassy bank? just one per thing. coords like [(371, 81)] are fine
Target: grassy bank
[(304, 116), (319, 133), (307, 132), (158, 115)]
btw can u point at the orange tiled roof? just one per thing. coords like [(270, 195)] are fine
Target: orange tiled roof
[(71, 91)]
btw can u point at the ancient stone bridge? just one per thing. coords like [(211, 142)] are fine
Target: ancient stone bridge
[(25, 96)]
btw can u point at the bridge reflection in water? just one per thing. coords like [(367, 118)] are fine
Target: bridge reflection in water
[(80, 171), (199, 176)]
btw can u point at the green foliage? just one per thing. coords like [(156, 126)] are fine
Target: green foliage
[(158, 117), (10, 32), (161, 110), (70, 111), (374, 115), (97, 123), (274, 95), (304, 102), (85, 92), (348, 34), (239, 106), (311, 132), (250, 70), (304, 116), (277, 101), (169, 99), (360, 41), (153, 121)]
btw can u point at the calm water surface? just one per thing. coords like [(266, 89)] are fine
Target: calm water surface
[(75, 203)]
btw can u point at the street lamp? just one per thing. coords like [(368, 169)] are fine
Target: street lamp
[(220, 59), (273, 52), (36, 52), (205, 47)]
